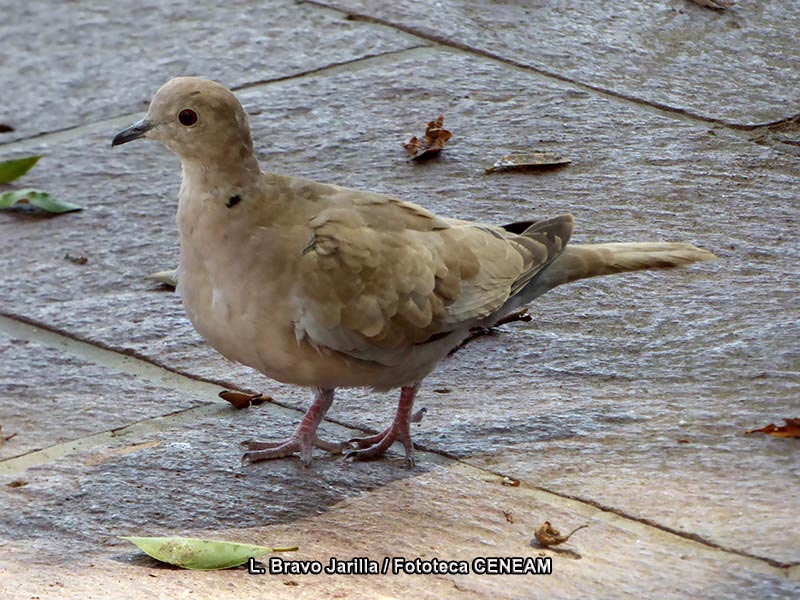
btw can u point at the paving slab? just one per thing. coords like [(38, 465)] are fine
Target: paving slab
[(445, 512), (49, 397), (72, 63), (609, 369), (738, 65), (631, 393)]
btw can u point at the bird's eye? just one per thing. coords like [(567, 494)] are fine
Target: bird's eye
[(187, 117)]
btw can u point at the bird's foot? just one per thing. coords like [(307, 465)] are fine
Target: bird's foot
[(304, 438), (373, 446), (296, 444)]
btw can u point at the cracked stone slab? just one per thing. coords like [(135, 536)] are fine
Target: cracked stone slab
[(442, 512), (186, 476), (68, 64), (621, 365), (737, 65), (51, 397)]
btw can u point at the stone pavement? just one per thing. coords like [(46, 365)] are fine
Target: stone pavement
[(623, 404)]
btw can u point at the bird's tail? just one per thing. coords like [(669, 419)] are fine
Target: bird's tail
[(592, 260)]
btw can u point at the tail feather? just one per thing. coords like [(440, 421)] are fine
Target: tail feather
[(593, 260)]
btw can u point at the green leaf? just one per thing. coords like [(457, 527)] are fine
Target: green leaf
[(36, 198), (16, 168), (166, 277), (198, 554)]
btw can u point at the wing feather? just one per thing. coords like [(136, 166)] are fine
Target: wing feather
[(379, 276)]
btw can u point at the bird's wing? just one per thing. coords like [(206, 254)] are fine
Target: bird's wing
[(379, 275)]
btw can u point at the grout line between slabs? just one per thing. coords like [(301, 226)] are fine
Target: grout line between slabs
[(15, 328), (631, 523), (662, 108), (113, 124), (429, 46)]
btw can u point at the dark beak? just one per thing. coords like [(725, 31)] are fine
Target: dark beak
[(133, 132)]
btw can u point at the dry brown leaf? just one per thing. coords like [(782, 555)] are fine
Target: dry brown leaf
[(527, 161), (790, 430), (436, 137), (78, 260), (6, 438), (510, 482), (242, 400), (509, 517), (547, 535)]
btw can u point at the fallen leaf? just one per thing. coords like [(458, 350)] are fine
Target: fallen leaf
[(547, 535), (242, 400), (436, 137), (526, 161), (16, 168), (6, 438), (790, 430), (166, 277), (78, 260), (716, 4), (442, 391), (37, 198), (509, 517), (198, 554), (17, 483), (510, 482)]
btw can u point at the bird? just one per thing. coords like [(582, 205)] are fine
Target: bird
[(326, 287)]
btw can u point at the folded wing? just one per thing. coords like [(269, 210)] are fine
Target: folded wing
[(379, 276)]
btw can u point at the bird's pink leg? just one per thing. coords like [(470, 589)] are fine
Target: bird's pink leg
[(399, 431), (303, 439)]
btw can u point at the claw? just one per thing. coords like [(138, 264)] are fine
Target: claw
[(256, 445), (376, 445), (302, 441), (370, 440), (378, 449), (268, 450)]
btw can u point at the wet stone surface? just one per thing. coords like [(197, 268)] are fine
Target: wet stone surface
[(631, 392), (453, 516), (190, 478), (51, 397), (738, 65), (615, 366), (77, 63)]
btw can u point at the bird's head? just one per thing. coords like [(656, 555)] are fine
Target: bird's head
[(198, 119)]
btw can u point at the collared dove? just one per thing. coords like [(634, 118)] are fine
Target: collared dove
[(326, 287)]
